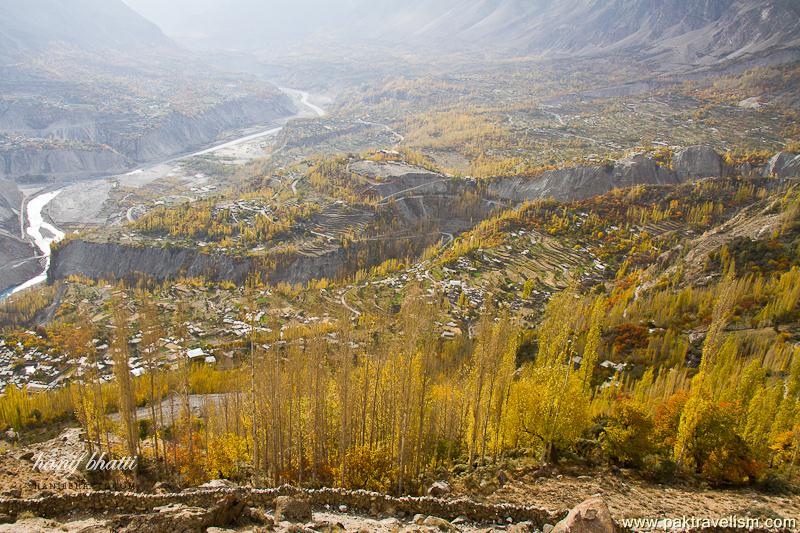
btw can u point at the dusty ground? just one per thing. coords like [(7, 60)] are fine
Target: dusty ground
[(19, 476), (333, 522), (631, 497)]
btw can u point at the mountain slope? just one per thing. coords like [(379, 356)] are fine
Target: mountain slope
[(672, 31), (694, 32), (88, 24)]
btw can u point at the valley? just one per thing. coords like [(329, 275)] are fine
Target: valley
[(82, 205), (475, 265)]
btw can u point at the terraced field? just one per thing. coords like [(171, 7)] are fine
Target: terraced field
[(547, 260)]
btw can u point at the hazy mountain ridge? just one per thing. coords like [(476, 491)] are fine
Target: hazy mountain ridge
[(672, 31), (34, 25), (683, 32)]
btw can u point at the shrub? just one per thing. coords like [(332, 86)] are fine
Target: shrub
[(369, 469), (720, 454), (628, 436), (659, 469)]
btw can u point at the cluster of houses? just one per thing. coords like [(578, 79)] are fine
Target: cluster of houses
[(20, 366), (40, 370)]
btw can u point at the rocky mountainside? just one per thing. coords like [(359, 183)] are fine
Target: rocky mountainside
[(699, 31), (587, 181), (673, 32), (13, 249), (10, 199)]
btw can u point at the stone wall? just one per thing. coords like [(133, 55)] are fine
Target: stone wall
[(357, 502)]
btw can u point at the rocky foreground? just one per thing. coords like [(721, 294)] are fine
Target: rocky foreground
[(33, 501), (216, 508)]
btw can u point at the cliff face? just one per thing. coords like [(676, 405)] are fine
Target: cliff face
[(177, 132), (102, 146), (17, 262), (60, 163), (10, 200), (116, 261), (584, 182)]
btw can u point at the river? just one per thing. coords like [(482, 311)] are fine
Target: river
[(44, 234)]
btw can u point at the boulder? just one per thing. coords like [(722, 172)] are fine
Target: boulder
[(440, 523), (640, 169), (783, 165), (440, 488), (218, 484), (292, 509), (163, 487), (257, 515), (391, 523), (181, 518), (697, 162), (522, 527), (173, 517), (226, 511), (591, 516)]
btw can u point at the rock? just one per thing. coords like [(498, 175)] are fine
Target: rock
[(12, 493), (218, 484), (226, 511), (257, 515), (297, 528), (522, 527), (219, 530), (179, 517), (27, 456), (440, 488), (459, 520), (591, 516), (391, 523), (440, 523), (173, 517), (751, 103), (547, 528), (162, 487), (418, 519), (325, 527), (697, 162), (292, 509), (639, 168), (783, 165)]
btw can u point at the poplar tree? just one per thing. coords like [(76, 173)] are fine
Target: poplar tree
[(122, 372)]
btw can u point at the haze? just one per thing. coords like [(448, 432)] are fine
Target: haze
[(243, 24)]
